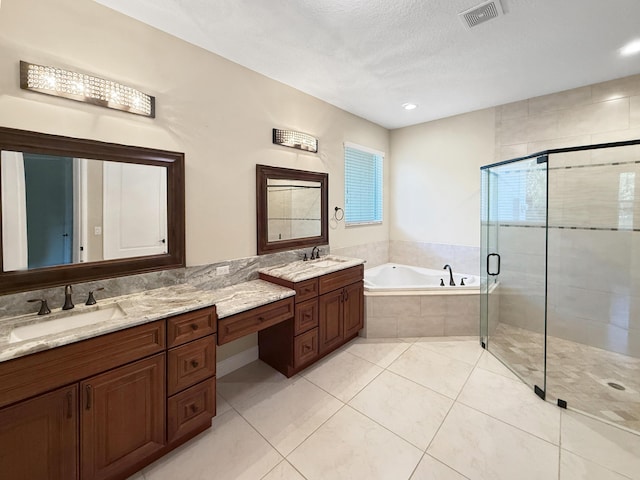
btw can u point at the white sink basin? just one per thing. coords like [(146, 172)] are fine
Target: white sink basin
[(326, 263), (62, 324)]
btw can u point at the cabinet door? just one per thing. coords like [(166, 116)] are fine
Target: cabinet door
[(122, 417), (330, 320), (353, 309), (39, 437)]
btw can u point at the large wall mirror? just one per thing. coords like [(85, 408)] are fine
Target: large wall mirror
[(77, 210), (292, 208)]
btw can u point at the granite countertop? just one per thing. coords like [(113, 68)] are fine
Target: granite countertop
[(305, 270), (140, 308)]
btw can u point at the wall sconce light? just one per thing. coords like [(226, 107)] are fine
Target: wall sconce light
[(299, 140), (85, 88)]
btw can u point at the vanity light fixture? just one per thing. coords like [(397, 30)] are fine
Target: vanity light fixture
[(85, 88), (299, 140)]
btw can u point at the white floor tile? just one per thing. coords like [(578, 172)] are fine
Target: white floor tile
[(409, 410), (379, 351), (484, 448), (342, 375), (351, 446), (465, 351), (230, 450), (255, 380), (442, 374), (573, 467), (489, 362), (283, 471), (136, 476), (290, 414), (512, 402), (431, 469), (603, 444), (222, 406)]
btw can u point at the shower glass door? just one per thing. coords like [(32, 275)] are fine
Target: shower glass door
[(513, 266)]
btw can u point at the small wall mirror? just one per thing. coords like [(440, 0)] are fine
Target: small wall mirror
[(76, 210), (291, 208)]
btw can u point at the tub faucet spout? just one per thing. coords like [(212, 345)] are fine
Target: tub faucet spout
[(451, 282)]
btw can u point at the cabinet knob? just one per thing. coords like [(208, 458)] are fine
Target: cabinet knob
[(194, 326), (194, 363), (193, 408), (261, 319)]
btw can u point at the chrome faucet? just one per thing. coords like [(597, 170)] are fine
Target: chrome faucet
[(68, 302), (451, 282), (315, 253)]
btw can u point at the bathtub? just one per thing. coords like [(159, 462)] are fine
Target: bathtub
[(393, 277), (406, 301)]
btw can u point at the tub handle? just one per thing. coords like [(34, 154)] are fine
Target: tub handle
[(489, 261)]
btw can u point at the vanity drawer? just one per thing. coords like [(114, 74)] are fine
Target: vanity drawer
[(341, 278), (191, 326), (306, 290), (190, 363), (305, 348), (306, 316), (254, 320), (190, 410)]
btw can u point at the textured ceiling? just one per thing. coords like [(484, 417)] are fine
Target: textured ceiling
[(371, 56)]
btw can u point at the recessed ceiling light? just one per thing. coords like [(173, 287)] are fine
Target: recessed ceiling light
[(409, 106), (630, 48)]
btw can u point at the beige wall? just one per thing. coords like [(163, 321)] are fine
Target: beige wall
[(435, 178), (217, 112)]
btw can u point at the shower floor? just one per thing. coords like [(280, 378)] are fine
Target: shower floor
[(576, 373)]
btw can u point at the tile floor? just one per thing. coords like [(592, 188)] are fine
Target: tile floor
[(576, 373), (420, 409)]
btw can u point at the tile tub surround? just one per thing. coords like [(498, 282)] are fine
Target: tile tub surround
[(374, 253), (435, 255), (422, 315), (402, 423), (203, 277), (143, 308)]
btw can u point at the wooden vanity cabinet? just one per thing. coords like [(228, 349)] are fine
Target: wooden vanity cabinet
[(100, 409), (329, 311), (122, 416), (39, 437)]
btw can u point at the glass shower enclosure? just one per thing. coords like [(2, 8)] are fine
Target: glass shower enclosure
[(560, 275)]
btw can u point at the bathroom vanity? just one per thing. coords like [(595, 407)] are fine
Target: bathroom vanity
[(109, 400), (329, 311)]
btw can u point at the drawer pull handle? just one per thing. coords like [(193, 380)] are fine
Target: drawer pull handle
[(87, 390), (307, 315), (194, 363), (194, 326), (193, 408), (261, 319), (306, 348)]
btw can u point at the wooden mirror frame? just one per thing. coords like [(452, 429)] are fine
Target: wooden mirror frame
[(263, 173), (33, 142)]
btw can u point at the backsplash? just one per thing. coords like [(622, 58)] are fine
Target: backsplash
[(204, 277)]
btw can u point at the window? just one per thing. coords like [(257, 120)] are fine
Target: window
[(362, 185)]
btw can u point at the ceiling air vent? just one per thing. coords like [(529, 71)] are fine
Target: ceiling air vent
[(481, 13)]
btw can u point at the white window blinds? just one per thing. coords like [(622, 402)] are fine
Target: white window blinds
[(362, 184)]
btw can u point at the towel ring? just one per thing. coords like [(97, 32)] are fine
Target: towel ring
[(335, 214)]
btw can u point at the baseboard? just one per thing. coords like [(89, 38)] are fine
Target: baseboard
[(236, 361)]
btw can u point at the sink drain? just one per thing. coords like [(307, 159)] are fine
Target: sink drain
[(617, 386)]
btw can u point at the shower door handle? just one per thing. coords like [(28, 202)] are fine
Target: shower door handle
[(489, 261)]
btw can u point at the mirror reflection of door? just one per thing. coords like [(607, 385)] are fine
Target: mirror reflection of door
[(49, 198), (135, 213)]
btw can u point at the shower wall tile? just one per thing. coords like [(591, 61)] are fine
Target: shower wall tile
[(560, 100), (514, 110), (526, 129), (618, 88), (596, 118), (634, 120), (508, 152)]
